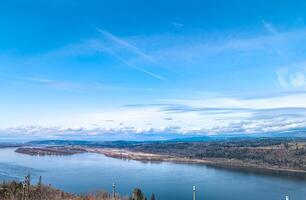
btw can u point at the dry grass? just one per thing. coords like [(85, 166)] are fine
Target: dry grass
[(17, 191)]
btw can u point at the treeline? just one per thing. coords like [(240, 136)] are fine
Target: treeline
[(279, 153), (26, 191)]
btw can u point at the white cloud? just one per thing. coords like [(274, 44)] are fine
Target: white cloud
[(269, 27), (177, 25), (211, 115), (282, 77), (298, 79), (202, 115), (292, 77), (41, 80)]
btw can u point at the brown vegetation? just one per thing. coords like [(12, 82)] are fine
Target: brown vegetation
[(54, 150), (25, 191), (269, 154)]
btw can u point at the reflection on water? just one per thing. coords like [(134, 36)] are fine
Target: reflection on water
[(88, 172)]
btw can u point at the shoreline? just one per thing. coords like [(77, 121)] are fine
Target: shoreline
[(220, 163), (231, 164)]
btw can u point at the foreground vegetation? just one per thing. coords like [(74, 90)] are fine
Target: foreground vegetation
[(25, 191)]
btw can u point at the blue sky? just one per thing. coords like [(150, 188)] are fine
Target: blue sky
[(183, 67)]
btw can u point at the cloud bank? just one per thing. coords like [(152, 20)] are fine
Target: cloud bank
[(207, 116)]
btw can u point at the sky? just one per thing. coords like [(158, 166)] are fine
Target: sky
[(183, 67)]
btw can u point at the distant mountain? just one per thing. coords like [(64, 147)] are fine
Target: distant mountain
[(294, 133), (83, 143)]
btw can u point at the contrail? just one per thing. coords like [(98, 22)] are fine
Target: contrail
[(124, 43), (99, 46)]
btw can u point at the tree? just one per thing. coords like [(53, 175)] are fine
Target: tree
[(138, 195)]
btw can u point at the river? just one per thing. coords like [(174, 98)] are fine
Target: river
[(89, 172)]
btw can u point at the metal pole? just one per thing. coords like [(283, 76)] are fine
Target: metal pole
[(114, 190), (39, 187), (194, 192), (24, 191)]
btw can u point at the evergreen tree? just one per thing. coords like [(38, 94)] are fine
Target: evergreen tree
[(138, 195)]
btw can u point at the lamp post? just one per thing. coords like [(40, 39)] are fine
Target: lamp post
[(194, 192), (114, 190)]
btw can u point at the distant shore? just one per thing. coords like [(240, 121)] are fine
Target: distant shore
[(223, 163), (152, 157)]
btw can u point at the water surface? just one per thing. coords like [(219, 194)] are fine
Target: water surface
[(88, 172)]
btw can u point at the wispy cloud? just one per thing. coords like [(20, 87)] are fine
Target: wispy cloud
[(41, 80), (211, 115), (298, 79), (292, 76), (148, 72), (177, 24), (124, 44), (98, 45), (53, 84), (269, 27), (282, 77), (198, 51)]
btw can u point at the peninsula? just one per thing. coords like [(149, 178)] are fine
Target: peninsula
[(285, 156)]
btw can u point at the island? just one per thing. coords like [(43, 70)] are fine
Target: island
[(52, 150)]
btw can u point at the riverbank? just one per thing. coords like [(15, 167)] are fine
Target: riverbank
[(223, 163), (152, 157), (279, 156)]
